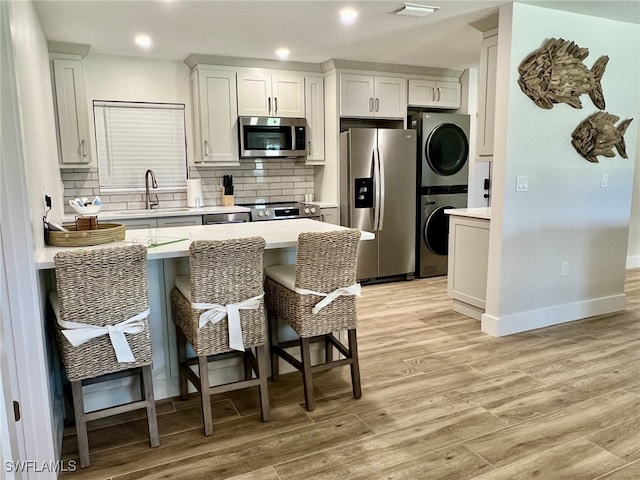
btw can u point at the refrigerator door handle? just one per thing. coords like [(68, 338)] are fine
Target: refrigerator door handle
[(381, 196), (376, 187)]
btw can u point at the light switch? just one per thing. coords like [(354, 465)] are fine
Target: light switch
[(522, 183), (604, 180)]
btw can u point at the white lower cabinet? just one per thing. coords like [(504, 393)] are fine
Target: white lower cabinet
[(159, 222), (138, 223), (330, 215), (187, 221), (468, 264)]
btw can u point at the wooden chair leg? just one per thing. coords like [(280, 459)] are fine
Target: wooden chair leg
[(152, 419), (273, 328), (81, 424), (263, 388), (355, 364), (328, 349), (307, 380), (182, 359), (205, 395), (248, 370)]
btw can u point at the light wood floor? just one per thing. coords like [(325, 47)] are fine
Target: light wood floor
[(441, 400)]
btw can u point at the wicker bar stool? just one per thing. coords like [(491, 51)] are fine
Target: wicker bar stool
[(219, 310), (102, 328), (316, 297)]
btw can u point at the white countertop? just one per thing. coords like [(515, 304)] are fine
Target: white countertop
[(277, 234), (476, 212), (322, 204), (159, 212)]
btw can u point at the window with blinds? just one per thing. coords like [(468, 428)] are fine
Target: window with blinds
[(134, 137)]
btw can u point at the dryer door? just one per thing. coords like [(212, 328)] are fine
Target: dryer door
[(436, 231), (446, 151)]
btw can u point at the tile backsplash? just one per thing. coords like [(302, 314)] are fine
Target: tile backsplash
[(254, 181)]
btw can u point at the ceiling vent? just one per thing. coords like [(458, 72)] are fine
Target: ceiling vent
[(413, 10)]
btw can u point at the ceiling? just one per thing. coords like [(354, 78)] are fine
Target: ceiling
[(309, 29)]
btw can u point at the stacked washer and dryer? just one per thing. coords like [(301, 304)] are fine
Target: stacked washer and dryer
[(443, 179)]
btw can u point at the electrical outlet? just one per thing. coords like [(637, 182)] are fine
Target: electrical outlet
[(47, 201), (522, 183), (565, 269)]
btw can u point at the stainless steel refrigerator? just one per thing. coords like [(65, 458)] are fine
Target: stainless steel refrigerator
[(378, 194)]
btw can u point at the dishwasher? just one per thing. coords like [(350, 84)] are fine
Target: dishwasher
[(236, 217)]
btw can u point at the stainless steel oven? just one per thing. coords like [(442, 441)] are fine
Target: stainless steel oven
[(272, 137), (283, 211)]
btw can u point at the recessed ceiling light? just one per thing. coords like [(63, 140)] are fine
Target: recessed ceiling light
[(143, 41), (413, 10), (348, 16), (283, 53)]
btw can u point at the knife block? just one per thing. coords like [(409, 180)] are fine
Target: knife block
[(227, 200)]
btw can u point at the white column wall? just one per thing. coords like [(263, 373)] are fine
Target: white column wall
[(565, 216)]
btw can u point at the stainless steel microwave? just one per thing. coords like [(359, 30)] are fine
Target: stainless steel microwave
[(272, 137)]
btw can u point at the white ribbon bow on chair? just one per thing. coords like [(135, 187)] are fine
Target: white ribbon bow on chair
[(216, 312), (79, 333), (354, 289)]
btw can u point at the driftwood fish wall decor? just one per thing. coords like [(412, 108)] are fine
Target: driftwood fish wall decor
[(597, 135), (555, 73)]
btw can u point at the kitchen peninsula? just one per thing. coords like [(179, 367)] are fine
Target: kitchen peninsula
[(168, 256), (468, 259)]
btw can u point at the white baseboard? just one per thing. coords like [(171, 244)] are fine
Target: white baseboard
[(466, 309), (544, 317), (633, 261)]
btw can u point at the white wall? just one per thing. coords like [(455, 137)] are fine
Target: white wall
[(565, 216), (35, 95), (29, 168), (633, 251)]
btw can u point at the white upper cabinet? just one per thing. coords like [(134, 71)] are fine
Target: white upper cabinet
[(434, 93), (487, 94), (314, 103), (266, 94), (71, 113), (372, 96), (215, 116)]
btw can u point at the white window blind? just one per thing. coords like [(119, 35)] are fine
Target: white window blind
[(134, 137)]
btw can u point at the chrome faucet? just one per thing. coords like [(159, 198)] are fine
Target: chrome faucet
[(150, 203)]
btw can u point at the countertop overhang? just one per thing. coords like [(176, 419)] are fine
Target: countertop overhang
[(476, 212), (108, 215), (277, 234)]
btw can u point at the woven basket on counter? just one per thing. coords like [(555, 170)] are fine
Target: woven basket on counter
[(105, 233)]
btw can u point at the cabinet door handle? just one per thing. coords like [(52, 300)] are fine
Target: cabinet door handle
[(377, 104), (269, 102), (438, 93), (83, 148), (371, 104), (275, 105), (309, 149), (206, 148)]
